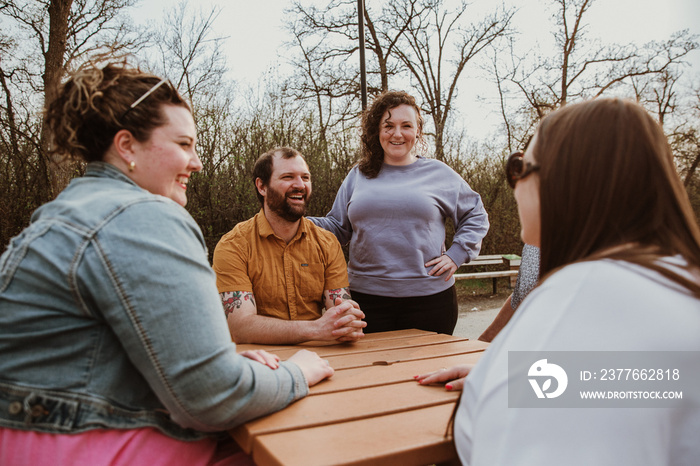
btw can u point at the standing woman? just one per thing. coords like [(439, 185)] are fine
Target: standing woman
[(598, 192), (392, 209), (114, 344)]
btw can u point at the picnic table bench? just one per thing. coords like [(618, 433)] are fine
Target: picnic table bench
[(512, 261)]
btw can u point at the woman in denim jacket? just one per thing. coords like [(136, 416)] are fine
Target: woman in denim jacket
[(111, 328)]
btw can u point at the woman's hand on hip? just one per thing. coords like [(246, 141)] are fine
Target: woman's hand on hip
[(441, 265)]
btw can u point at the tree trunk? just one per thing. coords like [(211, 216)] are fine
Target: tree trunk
[(59, 12), (691, 170)]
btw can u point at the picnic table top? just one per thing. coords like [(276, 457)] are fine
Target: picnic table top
[(371, 411)]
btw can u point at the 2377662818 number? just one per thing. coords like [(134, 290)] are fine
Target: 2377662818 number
[(639, 374)]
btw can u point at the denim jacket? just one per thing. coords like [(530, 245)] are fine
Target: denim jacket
[(110, 318)]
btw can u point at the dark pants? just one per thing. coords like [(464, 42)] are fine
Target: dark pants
[(434, 313)]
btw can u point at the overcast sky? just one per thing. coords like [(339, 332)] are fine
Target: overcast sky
[(255, 32)]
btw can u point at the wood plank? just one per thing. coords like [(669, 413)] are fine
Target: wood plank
[(394, 355), (362, 346), (337, 407), (394, 334), (478, 275), (498, 261), (372, 376), (378, 336), (488, 257), (413, 438)]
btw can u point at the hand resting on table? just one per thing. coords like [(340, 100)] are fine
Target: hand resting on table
[(312, 366), (454, 377)]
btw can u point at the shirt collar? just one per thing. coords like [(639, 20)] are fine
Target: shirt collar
[(265, 229)]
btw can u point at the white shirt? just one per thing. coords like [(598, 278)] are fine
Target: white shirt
[(604, 306)]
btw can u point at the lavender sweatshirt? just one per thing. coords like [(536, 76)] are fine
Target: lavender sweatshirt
[(395, 223)]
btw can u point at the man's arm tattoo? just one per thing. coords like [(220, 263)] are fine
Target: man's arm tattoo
[(343, 293), (233, 300)]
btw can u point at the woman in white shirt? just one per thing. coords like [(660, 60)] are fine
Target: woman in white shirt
[(598, 191)]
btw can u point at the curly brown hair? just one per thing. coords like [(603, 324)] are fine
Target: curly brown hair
[(372, 154), (95, 103)]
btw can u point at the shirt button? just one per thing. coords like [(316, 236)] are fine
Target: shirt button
[(15, 408), (37, 410)]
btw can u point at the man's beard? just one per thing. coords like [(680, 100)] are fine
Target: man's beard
[(277, 203)]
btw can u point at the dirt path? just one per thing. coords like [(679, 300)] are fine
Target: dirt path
[(477, 313)]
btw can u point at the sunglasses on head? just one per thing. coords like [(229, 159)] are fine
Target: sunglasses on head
[(517, 168)]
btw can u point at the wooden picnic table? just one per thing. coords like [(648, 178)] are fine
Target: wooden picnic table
[(372, 411)]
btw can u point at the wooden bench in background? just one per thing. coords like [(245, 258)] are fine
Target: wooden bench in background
[(511, 261)]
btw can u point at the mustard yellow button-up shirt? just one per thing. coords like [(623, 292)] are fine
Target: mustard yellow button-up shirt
[(288, 280)]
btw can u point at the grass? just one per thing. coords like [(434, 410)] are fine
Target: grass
[(469, 289)]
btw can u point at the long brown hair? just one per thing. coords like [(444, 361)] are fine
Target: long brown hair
[(94, 104), (372, 154), (609, 188)]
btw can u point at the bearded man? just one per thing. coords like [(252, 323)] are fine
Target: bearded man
[(277, 271)]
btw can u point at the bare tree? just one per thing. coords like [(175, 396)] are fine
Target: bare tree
[(530, 85), (583, 68), (685, 140), (40, 39), (63, 32), (332, 34), (326, 41), (330, 89), (189, 52), (434, 68), (186, 49), (660, 94), (23, 174), (416, 40), (519, 124)]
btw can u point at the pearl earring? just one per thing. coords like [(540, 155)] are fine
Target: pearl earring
[(132, 165)]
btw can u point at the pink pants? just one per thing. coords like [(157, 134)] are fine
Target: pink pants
[(135, 447)]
